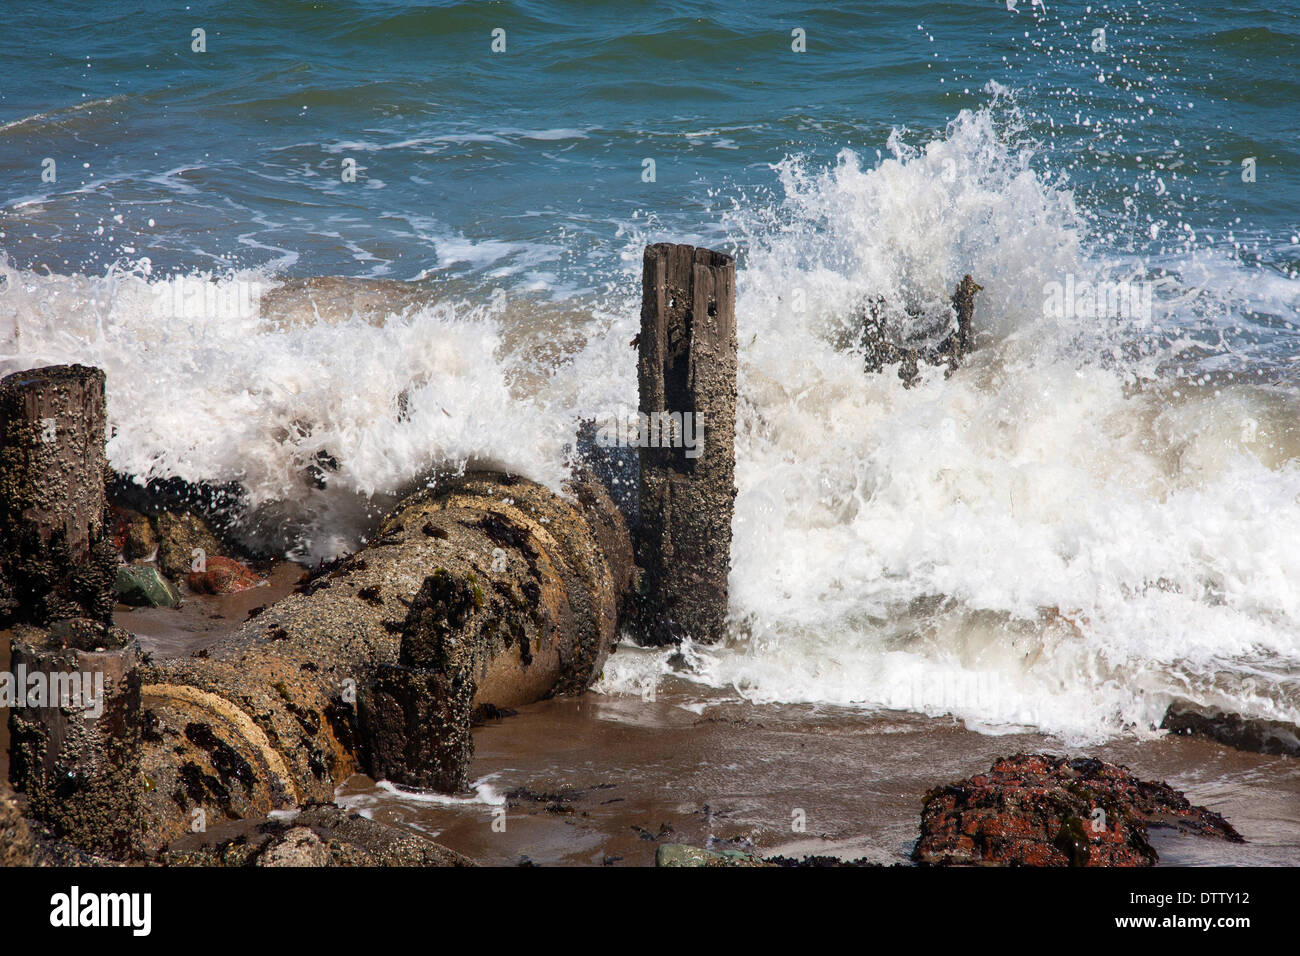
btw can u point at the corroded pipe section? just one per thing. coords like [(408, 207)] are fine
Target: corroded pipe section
[(491, 589)]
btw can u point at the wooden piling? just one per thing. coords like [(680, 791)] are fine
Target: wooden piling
[(56, 560), (687, 381), (76, 758), (74, 744)]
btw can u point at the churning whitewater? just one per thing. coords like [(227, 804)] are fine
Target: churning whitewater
[(1092, 516)]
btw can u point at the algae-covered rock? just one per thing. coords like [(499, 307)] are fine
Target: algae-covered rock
[(681, 854), (180, 536), (142, 585), (15, 838), (1036, 810), (320, 835)]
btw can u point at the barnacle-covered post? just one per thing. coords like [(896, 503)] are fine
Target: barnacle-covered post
[(687, 380), (56, 560), (74, 720), (74, 743)]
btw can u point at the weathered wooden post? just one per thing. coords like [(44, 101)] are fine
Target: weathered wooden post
[(74, 682), (75, 743), (687, 379), (55, 556)]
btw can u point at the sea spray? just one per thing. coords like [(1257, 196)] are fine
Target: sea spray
[(1079, 510), (1094, 509), (225, 396)]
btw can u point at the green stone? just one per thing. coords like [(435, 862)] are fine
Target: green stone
[(142, 585), (679, 854)]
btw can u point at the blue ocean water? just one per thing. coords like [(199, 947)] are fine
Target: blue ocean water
[(1094, 516), (530, 160)]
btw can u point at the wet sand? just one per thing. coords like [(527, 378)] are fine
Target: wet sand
[(605, 780), (203, 619)]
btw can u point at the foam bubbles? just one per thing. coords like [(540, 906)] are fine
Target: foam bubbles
[(1089, 518)]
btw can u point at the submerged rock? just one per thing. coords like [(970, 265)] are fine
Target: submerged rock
[(319, 835), (182, 539), (333, 299), (223, 576), (142, 585), (1233, 730), (680, 854), (1037, 810)]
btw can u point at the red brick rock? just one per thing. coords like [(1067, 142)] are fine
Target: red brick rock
[(1037, 810), (223, 576)]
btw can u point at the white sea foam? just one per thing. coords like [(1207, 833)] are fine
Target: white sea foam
[(238, 398), (484, 793), (1087, 519), (1064, 534)]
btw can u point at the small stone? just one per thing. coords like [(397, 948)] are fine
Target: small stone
[(298, 847), (680, 854), (180, 536), (141, 543), (223, 576), (133, 534), (142, 585)]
